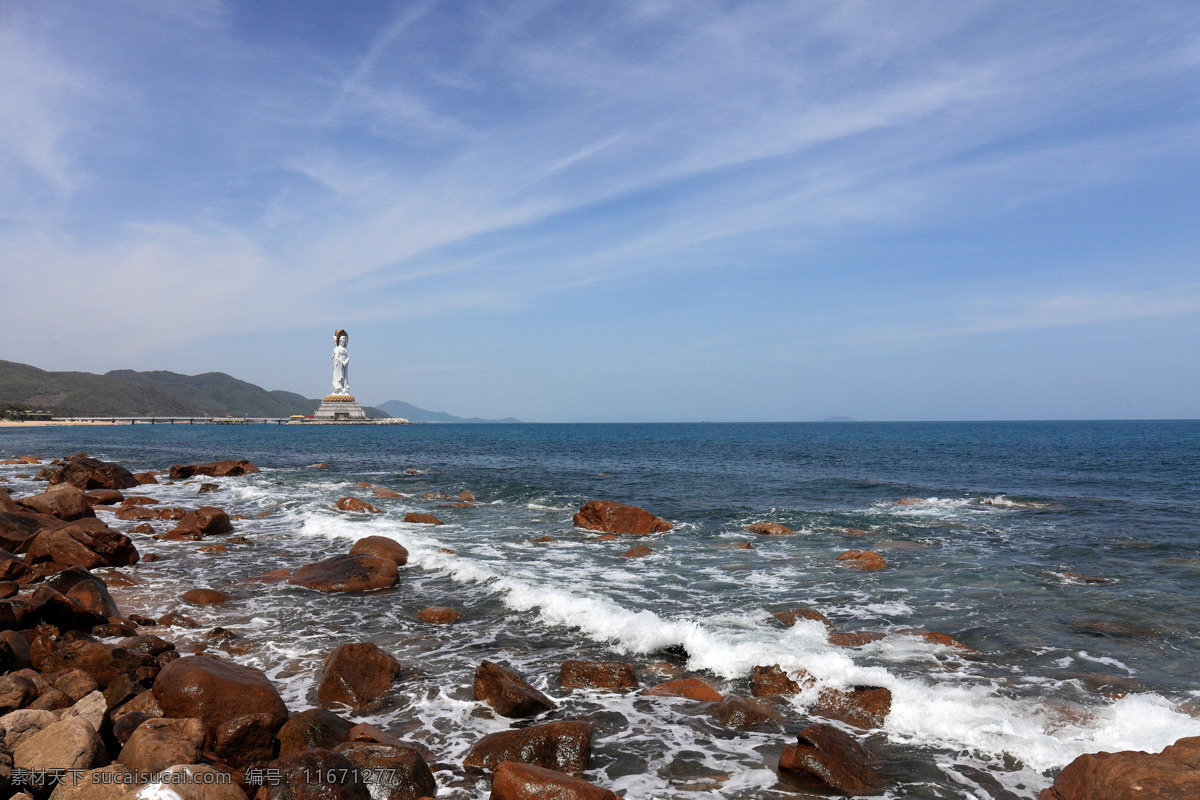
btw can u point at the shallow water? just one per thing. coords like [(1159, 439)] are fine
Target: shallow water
[(1005, 514)]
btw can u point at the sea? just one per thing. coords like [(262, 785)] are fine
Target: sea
[(1065, 556)]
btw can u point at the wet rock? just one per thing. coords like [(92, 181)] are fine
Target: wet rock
[(380, 491), (315, 728), (142, 703), (146, 478), (742, 712), (347, 574), (1131, 775), (74, 683), (77, 545), (160, 743), (380, 547), (422, 519), (102, 662), (863, 559), (439, 615), (691, 688), (135, 513), (391, 772), (174, 514), (357, 506), (174, 619), (771, 681), (612, 675), (637, 551), (205, 597), (854, 532), (513, 781), (216, 691), (829, 757), (908, 501), (54, 608), (194, 782), (207, 488), (357, 675), (88, 473), (206, 521), (63, 501), (67, 744), (861, 706), (305, 776), (246, 739), (769, 529), (507, 692), (214, 549), (789, 618), (467, 496), (89, 590), (607, 516), (318, 465), (857, 639), (563, 746), (934, 638), (147, 643), (213, 469), (144, 527)]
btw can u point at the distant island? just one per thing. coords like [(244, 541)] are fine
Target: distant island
[(160, 393)]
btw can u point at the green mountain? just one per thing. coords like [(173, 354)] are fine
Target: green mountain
[(399, 408), (127, 393)]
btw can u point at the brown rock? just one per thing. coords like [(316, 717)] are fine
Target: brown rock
[(612, 675), (16, 726), (103, 783), (67, 744), (101, 661), (206, 521), (205, 597), (213, 548), (692, 688), (380, 491), (508, 693), (769, 529), (315, 728), (347, 574), (637, 551), (134, 513), (145, 478), (213, 469), (862, 706), (63, 501), (742, 712), (607, 516), (75, 544), (174, 619), (857, 639), (357, 675), (854, 532), (145, 528), (824, 754), (544, 539), (74, 683), (513, 781), (246, 739), (422, 519), (216, 691), (391, 772), (88, 473), (50, 606), (1173, 774), (86, 589), (908, 501), (160, 743), (358, 506), (934, 638), (771, 681), (307, 775), (789, 617), (380, 547), (439, 615), (863, 559), (563, 746), (466, 496), (207, 488), (15, 692), (174, 514), (139, 500)]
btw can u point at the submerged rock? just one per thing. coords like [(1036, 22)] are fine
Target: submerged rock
[(357, 506), (790, 617), (862, 706), (348, 574), (611, 675), (607, 516), (769, 529), (438, 615), (863, 559), (692, 688), (422, 519), (828, 756)]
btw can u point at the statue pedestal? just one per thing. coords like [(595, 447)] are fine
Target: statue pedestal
[(340, 406)]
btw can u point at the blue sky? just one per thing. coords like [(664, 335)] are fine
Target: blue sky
[(606, 211)]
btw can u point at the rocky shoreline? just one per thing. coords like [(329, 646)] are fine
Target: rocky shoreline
[(90, 690)]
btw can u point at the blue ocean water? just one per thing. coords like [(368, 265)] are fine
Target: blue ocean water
[(1065, 555)]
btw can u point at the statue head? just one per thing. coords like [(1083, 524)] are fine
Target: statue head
[(341, 338)]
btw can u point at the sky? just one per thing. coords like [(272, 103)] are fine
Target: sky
[(608, 211)]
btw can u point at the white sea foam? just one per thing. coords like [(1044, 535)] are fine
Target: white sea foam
[(1112, 662)]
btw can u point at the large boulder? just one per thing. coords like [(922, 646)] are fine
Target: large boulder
[(507, 692), (15, 692), (347, 574), (824, 754), (1173, 774), (607, 516), (19, 527), (315, 728), (89, 590), (213, 469), (48, 605), (563, 746), (861, 706), (84, 546), (103, 662), (206, 521), (611, 675), (315, 775), (391, 772), (380, 547), (67, 744), (63, 501), (89, 473), (513, 781), (356, 675), (160, 743), (17, 726), (216, 692)]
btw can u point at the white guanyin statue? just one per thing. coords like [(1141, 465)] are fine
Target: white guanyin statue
[(341, 363)]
